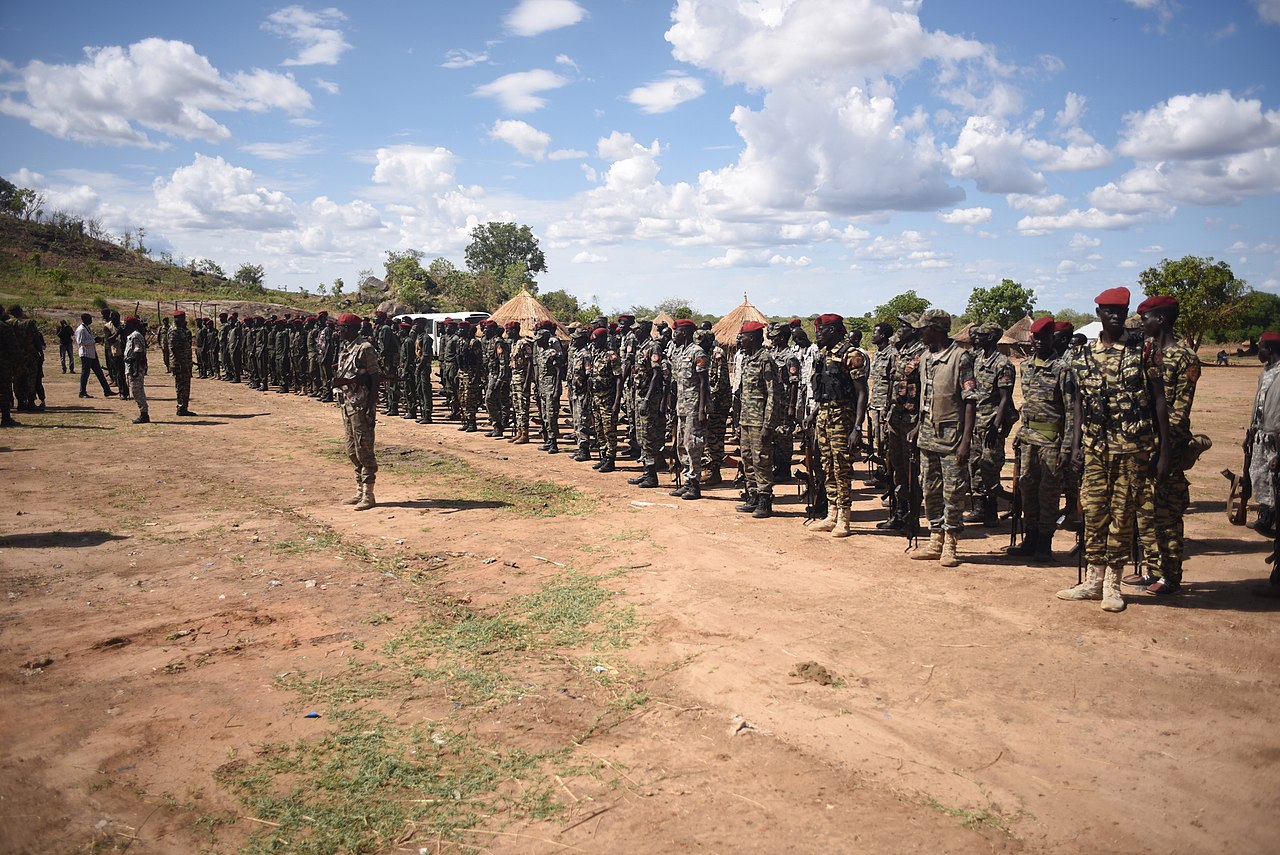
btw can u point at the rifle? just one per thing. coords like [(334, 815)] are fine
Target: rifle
[(911, 521), (1015, 509), (1241, 489), (816, 502)]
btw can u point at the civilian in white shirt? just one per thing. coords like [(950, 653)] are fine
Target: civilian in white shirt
[(88, 353), (135, 366)]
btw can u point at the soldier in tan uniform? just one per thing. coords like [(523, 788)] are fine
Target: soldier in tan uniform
[(357, 377)]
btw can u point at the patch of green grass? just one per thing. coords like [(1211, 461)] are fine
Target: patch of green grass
[(629, 534), (991, 817), (359, 681), (324, 539)]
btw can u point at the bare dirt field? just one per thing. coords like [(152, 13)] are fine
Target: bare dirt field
[(516, 654)]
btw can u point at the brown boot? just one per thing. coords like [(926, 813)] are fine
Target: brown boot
[(355, 500), (367, 501), (1089, 589), (949, 558), (829, 523), (842, 524), (1112, 600), (931, 551), (521, 438)]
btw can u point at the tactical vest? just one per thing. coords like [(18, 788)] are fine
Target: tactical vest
[(834, 386)]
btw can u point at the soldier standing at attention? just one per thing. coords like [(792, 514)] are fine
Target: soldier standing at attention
[(759, 407), (878, 386), (948, 398), (842, 405), (423, 354), (280, 355), (549, 371), (135, 362), (605, 372), (235, 347), (994, 374), (689, 375), (179, 342), (408, 360), (449, 366), (1043, 441), (497, 385), (9, 355), (357, 377), (163, 335), (580, 391), (719, 402), (1178, 368), (470, 376), (784, 357), (901, 419), (647, 381), (1111, 447), (520, 374), (628, 345)]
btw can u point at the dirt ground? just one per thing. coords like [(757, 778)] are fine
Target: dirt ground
[(514, 653)]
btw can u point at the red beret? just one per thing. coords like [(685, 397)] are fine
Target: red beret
[(685, 322), (600, 332), (752, 326), (179, 314), (622, 318), (132, 319), (1042, 324), (448, 321), (464, 325), (1063, 326), (1269, 338), (323, 313), (796, 322), (404, 325), (830, 318), (1113, 297), (488, 322), (1157, 301), (545, 325), (510, 325), (349, 320)]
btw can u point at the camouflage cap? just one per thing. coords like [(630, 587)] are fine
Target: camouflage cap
[(778, 328), (936, 318), (989, 328), (908, 318), (1133, 322)]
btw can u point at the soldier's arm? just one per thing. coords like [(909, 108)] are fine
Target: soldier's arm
[(1162, 426), (969, 394)]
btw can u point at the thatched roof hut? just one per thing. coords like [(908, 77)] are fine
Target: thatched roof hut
[(664, 318), (526, 309), (726, 329), (1017, 338), (963, 335)]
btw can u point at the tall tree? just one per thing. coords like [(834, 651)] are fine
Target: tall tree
[(906, 303), (497, 247), (1005, 304), (1209, 294), (251, 276), (409, 283)]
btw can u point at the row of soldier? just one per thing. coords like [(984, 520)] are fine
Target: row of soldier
[(21, 365)]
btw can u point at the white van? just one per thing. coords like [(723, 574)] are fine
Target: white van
[(435, 319)]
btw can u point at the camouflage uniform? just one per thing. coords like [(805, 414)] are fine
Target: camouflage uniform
[(521, 350), (135, 361), (903, 414), (179, 343), (839, 368), (991, 373), (1168, 499), (313, 357), (497, 388), (548, 369), (719, 402), (387, 344), (424, 353), (25, 371), (235, 350), (408, 361), (1043, 441), (358, 361), (688, 372), (788, 365), (627, 350), (9, 356), (298, 356), (580, 398), (449, 342), (759, 395), (604, 368), (878, 384), (650, 425), (947, 383)]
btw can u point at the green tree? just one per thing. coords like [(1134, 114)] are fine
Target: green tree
[(410, 284), (495, 247), (1209, 294), (208, 267), (905, 303), (1073, 317), (251, 276), (1005, 304)]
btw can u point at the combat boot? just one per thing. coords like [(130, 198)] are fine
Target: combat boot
[(949, 543), (521, 438), (991, 512), (650, 479), (546, 443), (679, 490), (355, 500), (1044, 548), (553, 448), (366, 501), (185, 411), (472, 427), (582, 456), (1112, 600), (1089, 589), (692, 490), (977, 510), (607, 465), (409, 414), (1030, 545), (893, 523), (749, 504), (841, 528), (644, 473), (932, 551), (764, 507), (142, 419), (829, 523), (713, 478)]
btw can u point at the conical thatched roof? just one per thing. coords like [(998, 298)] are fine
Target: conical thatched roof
[(1019, 333), (963, 335), (726, 329), (525, 308), (663, 318)]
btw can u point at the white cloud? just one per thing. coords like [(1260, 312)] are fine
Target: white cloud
[(567, 61), (585, 257), (1199, 126), (533, 17), (1152, 249), (354, 215), (994, 157), (415, 169), (1083, 241), (159, 85), (319, 40), (517, 92), (966, 216), (459, 58), (521, 136), (1223, 181), (328, 86), (566, 154), (1268, 10), (666, 93), (1077, 219), (1036, 204), (281, 151), (213, 194)]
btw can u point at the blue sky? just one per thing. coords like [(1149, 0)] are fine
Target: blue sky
[(817, 155)]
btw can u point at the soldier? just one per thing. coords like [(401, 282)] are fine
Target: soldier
[(470, 378), (66, 352), (1043, 441), (994, 374), (497, 382), (9, 356), (298, 355), (326, 353), (314, 327), (901, 418), (628, 345), (647, 381), (424, 354), (788, 365), (163, 336), (689, 377), (280, 356), (113, 336), (408, 361), (580, 391), (1179, 370), (605, 372), (842, 405), (1111, 447), (878, 388), (548, 372), (135, 361), (1262, 439), (449, 365), (25, 368), (520, 376), (719, 403), (179, 343), (235, 347), (387, 345), (1063, 337), (948, 398), (759, 400), (357, 377)]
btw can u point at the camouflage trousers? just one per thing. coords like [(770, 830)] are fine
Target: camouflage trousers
[(468, 391), (1042, 469), (649, 430), (580, 412), (1110, 490), (898, 453), (182, 384), (834, 426), (519, 396), (691, 439), (756, 450), (1160, 514), (426, 400), (497, 401), (717, 424), (359, 425), (138, 391), (875, 432), (549, 401), (409, 392), (942, 482), (605, 425), (982, 474)]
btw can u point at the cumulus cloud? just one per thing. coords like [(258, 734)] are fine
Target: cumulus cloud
[(213, 194), (966, 216), (1083, 241), (459, 58), (998, 158), (566, 154), (518, 92), (533, 17), (1050, 204), (1268, 10), (666, 93), (358, 215), (319, 40), (418, 170), (521, 136), (585, 257), (156, 84), (1199, 126), (1078, 219)]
